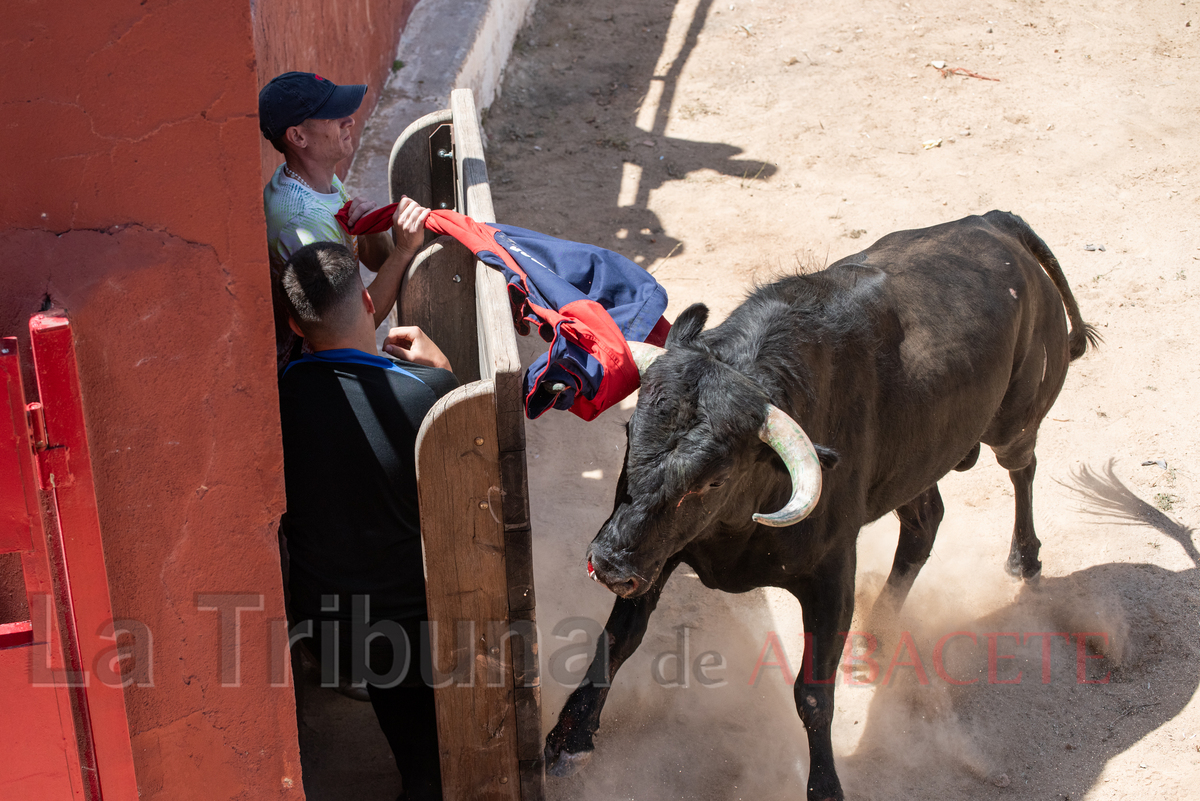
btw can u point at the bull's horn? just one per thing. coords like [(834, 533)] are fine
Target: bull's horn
[(788, 439), (644, 355)]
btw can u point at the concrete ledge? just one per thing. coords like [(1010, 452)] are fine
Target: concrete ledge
[(447, 45)]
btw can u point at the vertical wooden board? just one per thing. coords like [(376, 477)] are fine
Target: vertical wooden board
[(443, 176), (533, 779), (458, 480), (499, 360), (528, 702), (498, 354), (498, 342), (438, 294), (516, 486), (409, 170), (523, 646), (518, 546), (510, 392), (475, 196)]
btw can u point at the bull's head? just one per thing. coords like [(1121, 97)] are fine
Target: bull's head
[(703, 447)]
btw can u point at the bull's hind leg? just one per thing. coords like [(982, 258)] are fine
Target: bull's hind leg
[(1023, 559), (1018, 458), (919, 521)]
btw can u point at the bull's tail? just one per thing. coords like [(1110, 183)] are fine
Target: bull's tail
[(1082, 334)]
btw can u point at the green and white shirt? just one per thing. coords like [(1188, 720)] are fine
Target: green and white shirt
[(298, 216)]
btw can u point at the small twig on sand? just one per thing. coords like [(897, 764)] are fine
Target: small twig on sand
[(1130, 710), (948, 71), (656, 265)]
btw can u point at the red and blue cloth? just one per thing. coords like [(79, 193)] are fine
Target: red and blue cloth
[(586, 301)]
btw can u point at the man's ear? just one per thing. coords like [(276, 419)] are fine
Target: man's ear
[(292, 324), (295, 137), (370, 304)]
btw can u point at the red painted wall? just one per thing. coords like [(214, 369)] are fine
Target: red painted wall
[(347, 41), (132, 195)]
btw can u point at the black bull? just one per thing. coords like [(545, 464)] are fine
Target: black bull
[(898, 362)]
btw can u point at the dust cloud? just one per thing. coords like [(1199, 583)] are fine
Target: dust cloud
[(941, 700)]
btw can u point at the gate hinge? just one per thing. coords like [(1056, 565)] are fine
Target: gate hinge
[(52, 460)]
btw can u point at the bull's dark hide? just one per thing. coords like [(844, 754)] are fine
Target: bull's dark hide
[(898, 362)]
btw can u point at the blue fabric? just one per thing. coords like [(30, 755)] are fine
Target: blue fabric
[(351, 356), (587, 302), (560, 272)]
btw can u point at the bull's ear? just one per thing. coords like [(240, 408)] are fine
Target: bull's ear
[(828, 457), (687, 325)]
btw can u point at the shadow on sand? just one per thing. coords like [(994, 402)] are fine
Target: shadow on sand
[(1047, 721), (614, 133)]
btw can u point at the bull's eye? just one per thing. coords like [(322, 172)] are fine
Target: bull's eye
[(720, 482)]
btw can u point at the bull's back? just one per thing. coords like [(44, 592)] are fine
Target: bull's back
[(956, 311)]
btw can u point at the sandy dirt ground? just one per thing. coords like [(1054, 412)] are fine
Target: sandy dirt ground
[(721, 144)]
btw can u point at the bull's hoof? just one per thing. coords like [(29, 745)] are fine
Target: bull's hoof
[(564, 764), (826, 794), (1016, 568)]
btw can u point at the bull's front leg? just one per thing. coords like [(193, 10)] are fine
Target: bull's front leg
[(827, 605), (569, 744)]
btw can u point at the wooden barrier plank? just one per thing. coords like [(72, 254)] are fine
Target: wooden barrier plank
[(522, 641), (518, 545), (529, 733), (438, 294), (409, 170), (533, 779), (458, 481), (516, 486), (479, 562), (501, 362), (475, 195)]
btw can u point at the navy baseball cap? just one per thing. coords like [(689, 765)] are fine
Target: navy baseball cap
[(293, 97)]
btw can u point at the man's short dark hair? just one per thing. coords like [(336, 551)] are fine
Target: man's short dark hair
[(319, 282)]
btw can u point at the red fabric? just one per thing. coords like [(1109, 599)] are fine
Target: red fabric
[(584, 321), (658, 334), (373, 222), (587, 323)]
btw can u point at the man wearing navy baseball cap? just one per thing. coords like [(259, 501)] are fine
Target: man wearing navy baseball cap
[(308, 118)]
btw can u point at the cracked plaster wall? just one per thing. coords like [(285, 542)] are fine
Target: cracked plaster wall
[(347, 41), (132, 195)]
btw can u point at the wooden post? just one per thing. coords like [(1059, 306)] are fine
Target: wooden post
[(473, 490), (500, 361), (438, 294), (458, 470)]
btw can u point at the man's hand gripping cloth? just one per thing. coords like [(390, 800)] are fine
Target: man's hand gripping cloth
[(373, 222), (587, 302)]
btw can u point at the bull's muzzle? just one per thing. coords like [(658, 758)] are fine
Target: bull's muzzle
[(785, 436), (623, 582)]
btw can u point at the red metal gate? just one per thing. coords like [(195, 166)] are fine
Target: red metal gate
[(63, 729)]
